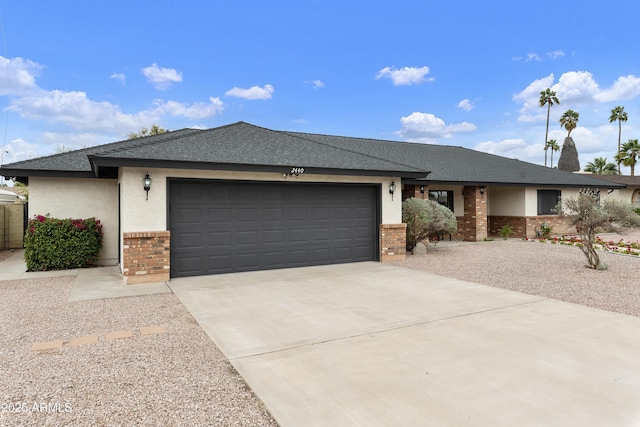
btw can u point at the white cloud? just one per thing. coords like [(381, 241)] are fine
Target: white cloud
[(405, 76), (576, 86), (426, 127), (555, 54), (253, 93), (195, 111), (466, 105), (317, 84), (529, 98), (573, 87), (625, 87), (19, 149), (76, 110), (120, 77), (511, 148), (18, 75), (532, 56), (162, 78)]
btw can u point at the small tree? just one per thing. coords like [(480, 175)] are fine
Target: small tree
[(153, 130), (589, 215), (425, 219)]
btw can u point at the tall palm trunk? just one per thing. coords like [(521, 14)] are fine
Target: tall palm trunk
[(546, 135), (619, 133)]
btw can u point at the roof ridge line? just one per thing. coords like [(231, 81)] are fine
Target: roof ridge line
[(159, 138), (353, 151)]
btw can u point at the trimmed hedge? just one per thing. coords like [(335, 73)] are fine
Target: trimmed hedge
[(426, 219), (61, 244)]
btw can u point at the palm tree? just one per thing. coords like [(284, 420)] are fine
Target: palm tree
[(548, 98), (618, 114), (601, 166), (629, 154), (569, 121), (553, 144)]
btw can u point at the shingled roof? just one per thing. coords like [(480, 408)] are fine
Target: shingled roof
[(242, 146)]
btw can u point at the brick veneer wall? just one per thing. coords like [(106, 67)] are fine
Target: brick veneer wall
[(393, 242), (474, 223), (409, 191), (146, 257), (526, 226)]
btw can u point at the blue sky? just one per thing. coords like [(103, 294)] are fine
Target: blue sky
[(465, 73)]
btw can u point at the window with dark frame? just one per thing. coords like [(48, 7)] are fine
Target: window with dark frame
[(443, 197), (547, 201)]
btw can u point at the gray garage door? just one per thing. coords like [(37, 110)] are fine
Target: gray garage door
[(222, 227)]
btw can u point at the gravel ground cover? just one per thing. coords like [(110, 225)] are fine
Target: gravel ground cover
[(543, 269), (175, 378)]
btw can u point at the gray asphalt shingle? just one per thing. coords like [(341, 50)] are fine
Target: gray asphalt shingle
[(247, 146)]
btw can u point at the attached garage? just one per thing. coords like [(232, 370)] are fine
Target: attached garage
[(232, 226)]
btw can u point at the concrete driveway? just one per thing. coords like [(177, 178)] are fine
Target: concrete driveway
[(373, 344)]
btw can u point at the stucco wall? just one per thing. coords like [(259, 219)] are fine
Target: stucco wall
[(506, 201), (624, 195), (139, 214), (80, 198)]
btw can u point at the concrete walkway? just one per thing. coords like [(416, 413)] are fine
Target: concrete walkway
[(90, 283), (371, 344)]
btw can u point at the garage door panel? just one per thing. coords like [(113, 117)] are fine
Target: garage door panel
[(254, 226), (219, 215), (247, 261), (298, 235), (190, 215), (190, 240), (249, 237), (273, 214), (190, 264), (297, 214), (219, 238), (273, 236), (274, 260)]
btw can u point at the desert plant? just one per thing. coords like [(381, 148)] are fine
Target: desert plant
[(425, 219), (60, 244), (588, 215), (506, 231), (546, 230)]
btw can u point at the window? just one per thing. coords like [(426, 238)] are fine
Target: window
[(445, 198), (547, 201)]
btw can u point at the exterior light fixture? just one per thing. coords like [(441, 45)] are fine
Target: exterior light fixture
[(147, 184), (422, 189), (482, 190), (392, 189)]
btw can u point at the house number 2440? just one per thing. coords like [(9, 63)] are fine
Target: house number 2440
[(296, 171)]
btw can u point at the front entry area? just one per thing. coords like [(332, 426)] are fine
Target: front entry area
[(233, 226)]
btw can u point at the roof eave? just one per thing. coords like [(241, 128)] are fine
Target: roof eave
[(99, 162), (516, 184)]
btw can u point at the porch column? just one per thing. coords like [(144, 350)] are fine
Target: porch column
[(475, 214)]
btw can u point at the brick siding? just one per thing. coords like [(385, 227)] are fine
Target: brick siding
[(474, 222), (527, 226), (393, 242), (146, 257)]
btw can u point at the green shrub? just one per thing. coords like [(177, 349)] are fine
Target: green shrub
[(61, 244), (425, 219), (506, 231)]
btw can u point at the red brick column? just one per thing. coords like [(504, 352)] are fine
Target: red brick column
[(393, 242), (475, 214), (146, 257)]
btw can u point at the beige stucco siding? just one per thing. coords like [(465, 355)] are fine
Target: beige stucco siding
[(139, 214), (80, 198), (623, 195), (506, 201)]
